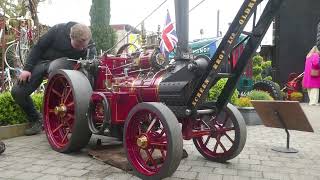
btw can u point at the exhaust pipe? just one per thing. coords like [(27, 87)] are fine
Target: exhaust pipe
[(182, 27)]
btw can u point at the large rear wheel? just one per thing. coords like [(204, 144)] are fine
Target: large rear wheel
[(66, 102), (153, 141), (227, 135)]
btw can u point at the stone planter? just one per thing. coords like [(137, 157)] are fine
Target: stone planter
[(250, 116), (11, 131)]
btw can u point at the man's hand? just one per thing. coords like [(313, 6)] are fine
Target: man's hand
[(24, 77)]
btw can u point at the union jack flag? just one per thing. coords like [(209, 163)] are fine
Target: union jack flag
[(169, 37)]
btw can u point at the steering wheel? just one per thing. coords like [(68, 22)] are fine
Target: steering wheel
[(128, 50)]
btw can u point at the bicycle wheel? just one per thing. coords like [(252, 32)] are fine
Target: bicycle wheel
[(11, 57), (23, 48), (6, 86), (42, 86)]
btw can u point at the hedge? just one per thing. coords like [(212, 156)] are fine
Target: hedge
[(11, 113), (215, 91)]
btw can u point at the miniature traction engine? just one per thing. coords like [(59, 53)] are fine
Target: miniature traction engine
[(151, 105)]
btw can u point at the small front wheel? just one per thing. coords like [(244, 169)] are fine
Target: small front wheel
[(153, 141)]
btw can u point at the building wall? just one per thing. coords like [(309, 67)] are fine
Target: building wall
[(120, 35), (295, 34)]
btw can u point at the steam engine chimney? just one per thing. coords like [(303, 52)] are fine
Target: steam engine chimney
[(182, 26)]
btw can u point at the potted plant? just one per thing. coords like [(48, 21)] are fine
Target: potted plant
[(12, 118), (261, 72), (247, 110), (296, 96)]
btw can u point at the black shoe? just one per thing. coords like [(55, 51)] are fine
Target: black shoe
[(36, 128), (184, 154), (2, 147)]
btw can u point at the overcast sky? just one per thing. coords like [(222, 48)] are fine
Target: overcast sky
[(134, 11)]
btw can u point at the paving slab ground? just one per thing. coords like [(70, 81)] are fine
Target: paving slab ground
[(32, 158)]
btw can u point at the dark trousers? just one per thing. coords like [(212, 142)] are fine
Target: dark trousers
[(21, 93)]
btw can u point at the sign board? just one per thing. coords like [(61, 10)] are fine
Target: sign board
[(290, 112)]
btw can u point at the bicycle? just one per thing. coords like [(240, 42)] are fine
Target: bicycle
[(7, 84), (18, 49), (16, 52)]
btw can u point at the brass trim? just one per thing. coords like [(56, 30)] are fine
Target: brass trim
[(60, 110), (142, 141)]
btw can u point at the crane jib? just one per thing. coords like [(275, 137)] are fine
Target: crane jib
[(224, 49)]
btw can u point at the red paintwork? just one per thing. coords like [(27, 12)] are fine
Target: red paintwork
[(126, 82), (294, 84), (234, 59), (212, 137), (139, 85), (58, 131), (190, 130), (143, 158)]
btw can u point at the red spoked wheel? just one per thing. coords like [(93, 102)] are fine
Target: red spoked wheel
[(153, 141), (66, 102), (227, 135)]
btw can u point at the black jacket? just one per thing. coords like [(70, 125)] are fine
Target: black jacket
[(56, 43)]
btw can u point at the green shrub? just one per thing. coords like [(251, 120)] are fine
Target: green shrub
[(11, 113), (215, 91), (269, 63), (259, 95), (243, 102), (261, 69), (257, 60), (266, 64), (269, 78), (258, 78), (256, 70), (38, 100), (296, 96), (252, 95), (284, 94)]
